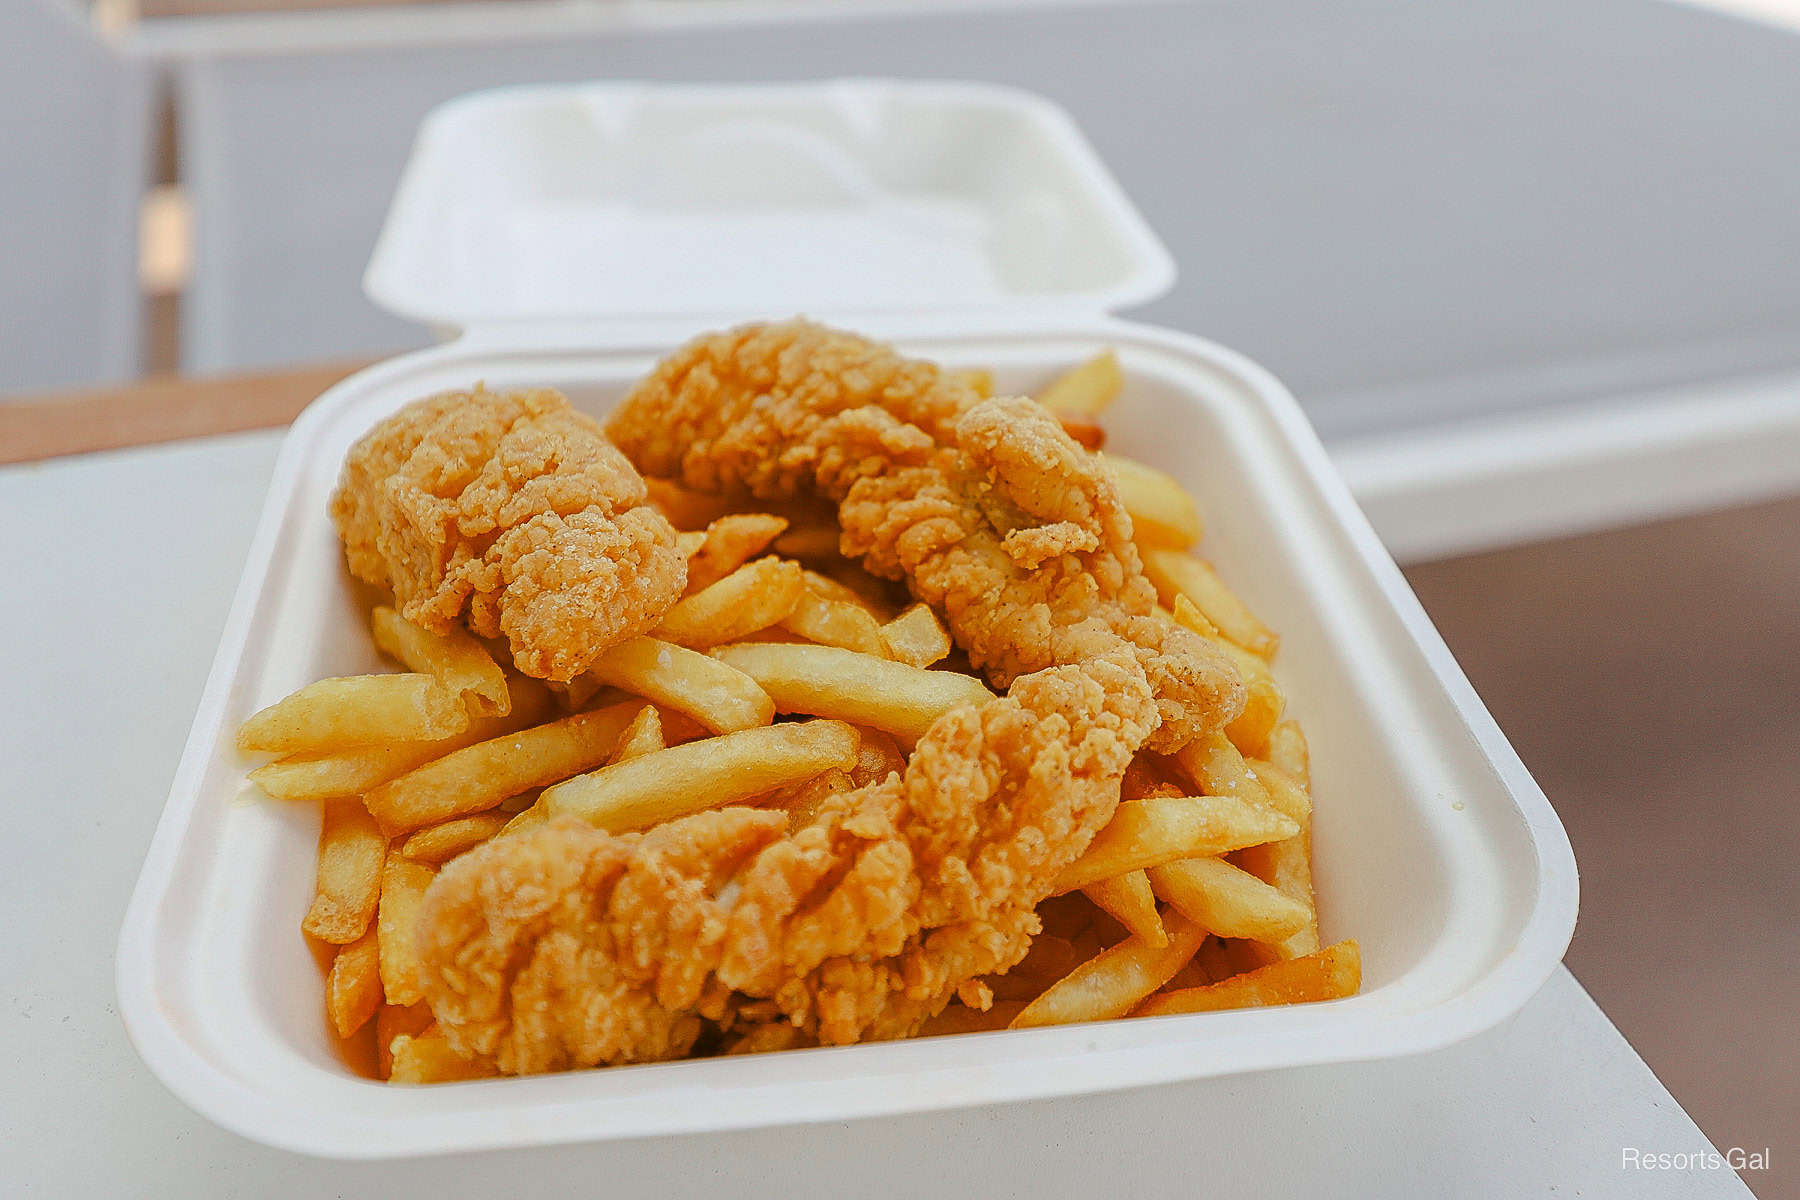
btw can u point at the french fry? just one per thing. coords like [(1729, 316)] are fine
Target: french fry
[(718, 696), (959, 1018), (1328, 974), (801, 801), (916, 637), (1178, 574), (1162, 512), (1113, 984), (847, 580), (525, 819), (1215, 960), (1217, 768), (356, 710), (1184, 613), (454, 659), (1161, 829), (1263, 702), (710, 773), (351, 851), (1086, 434), (355, 771), (403, 884), (827, 681), (1228, 901), (1285, 865), (353, 985), (810, 542), (478, 777), (835, 620), (436, 844), (765, 1039), (428, 1058), (392, 1021), (1086, 390), (729, 542), (1288, 753), (643, 736), (684, 507), (1128, 900), (752, 598)]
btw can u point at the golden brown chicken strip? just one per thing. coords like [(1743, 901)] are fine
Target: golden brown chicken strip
[(987, 508), (512, 513), (567, 946)]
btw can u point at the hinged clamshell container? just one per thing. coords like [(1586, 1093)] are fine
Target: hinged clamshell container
[(576, 234)]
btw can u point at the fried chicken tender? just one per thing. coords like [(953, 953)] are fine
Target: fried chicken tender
[(567, 946), (512, 513), (987, 508)]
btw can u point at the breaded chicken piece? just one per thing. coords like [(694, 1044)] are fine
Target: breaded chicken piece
[(988, 509), (567, 946), (512, 513)]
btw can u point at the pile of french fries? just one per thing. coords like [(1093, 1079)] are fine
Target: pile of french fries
[(783, 675)]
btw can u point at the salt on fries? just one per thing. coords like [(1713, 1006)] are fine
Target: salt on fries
[(1197, 896)]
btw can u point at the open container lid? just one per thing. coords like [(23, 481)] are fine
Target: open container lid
[(631, 201)]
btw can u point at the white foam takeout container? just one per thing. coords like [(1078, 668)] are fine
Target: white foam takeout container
[(570, 229)]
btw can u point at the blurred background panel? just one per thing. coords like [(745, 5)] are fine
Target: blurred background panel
[(75, 120), (1412, 213)]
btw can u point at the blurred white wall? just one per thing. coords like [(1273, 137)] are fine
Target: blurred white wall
[(74, 133)]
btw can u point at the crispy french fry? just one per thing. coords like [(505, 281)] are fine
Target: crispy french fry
[(1162, 512), (809, 542), (353, 985), (1214, 959), (1113, 984), (1179, 574), (1087, 434), (1128, 900), (643, 736), (706, 774), (1161, 829), (718, 696), (1228, 901), (454, 659), (351, 851), (1217, 768), (827, 681), (728, 543), (757, 595), (834, 620), (1285, 792), (392, 1021), (764, 1039), (1185, 613), (529, 818), (684, 507), (1086, 390), (403, 884), (478, 777), (1263, 704), (1328, 974), (355, 710), (355, 771), (428, 1058), (916, 637), (1288, 753), (442, 842), (1285, 865), (959, 1018), (846, 579)]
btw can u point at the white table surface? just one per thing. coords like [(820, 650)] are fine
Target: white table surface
[(120, 568)]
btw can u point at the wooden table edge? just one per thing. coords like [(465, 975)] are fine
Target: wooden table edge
[(167, 409)]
